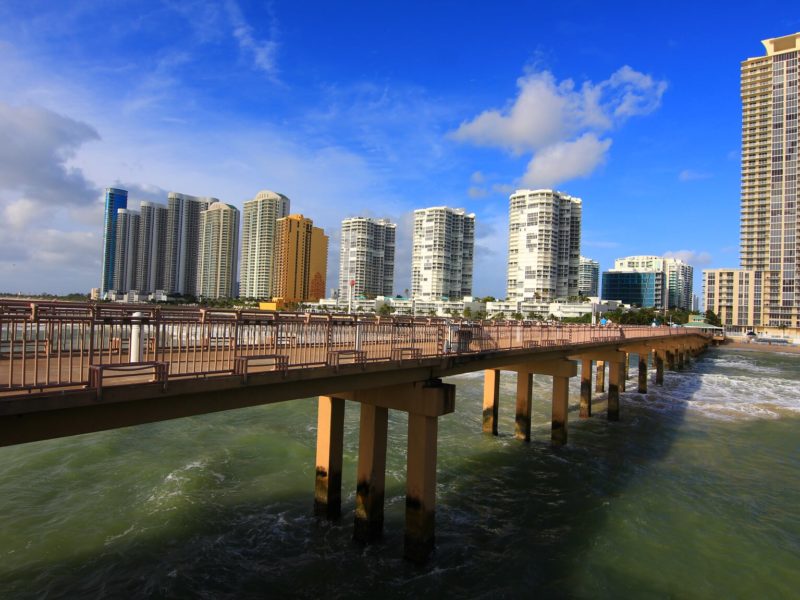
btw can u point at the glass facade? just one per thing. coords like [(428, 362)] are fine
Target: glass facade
[(115, 199), (635, 288)]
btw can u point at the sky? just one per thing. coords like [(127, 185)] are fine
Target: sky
[(376, 109)]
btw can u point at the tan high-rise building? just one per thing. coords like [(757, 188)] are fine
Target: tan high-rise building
[(301, 260), (770, 249), (769, 231), (219, 243)]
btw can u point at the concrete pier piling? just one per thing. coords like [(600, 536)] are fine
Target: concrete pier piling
[(558, 431), (522, 421), (330, 435), (491, 400), (420, 487), (659, 360), (614, 375), (371, 473), (642, 373), (586, 389), (600, 386)]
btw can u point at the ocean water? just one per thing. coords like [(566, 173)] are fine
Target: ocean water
[(695, 493)]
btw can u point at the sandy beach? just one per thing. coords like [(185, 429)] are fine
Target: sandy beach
[(786, 348)]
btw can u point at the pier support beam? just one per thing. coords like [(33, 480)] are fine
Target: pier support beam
[(586, 389), (558, 432), (614, 375), (425, 402), (642, 373), (330, 434), (670, 360), (680, 359), (659, 359), (491, 400), (522, 422), (561, 370), (600, 386), (371, 473)]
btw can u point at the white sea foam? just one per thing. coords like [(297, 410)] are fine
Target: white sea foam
[(173, 486), (726, 397)]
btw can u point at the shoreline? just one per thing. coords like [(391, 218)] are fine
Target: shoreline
[(755, 347)]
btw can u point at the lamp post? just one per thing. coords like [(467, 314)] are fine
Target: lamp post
[(350, 299)]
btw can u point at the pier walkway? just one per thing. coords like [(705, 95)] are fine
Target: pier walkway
[(73, 368)]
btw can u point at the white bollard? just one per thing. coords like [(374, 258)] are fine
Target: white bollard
[(136, 339)]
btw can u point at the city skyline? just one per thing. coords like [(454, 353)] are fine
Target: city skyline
[(374, 127)]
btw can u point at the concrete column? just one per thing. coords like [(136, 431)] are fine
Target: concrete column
[(600, 386), (522, 429), (491, 400), (586, 389), (371, 473), (659, 368), (558, 432), (642, 373), (614, 373), (670, 360), (330, 434), (623, 374), (680, 360), (420, 487)]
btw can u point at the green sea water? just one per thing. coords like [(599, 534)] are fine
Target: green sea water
[(695, 493)]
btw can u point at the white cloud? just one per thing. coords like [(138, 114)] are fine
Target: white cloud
[(600, 244), (692, 257), (566, 160), (690, 175), (477, 177), (262, 52), (562, 123), (37, 145)]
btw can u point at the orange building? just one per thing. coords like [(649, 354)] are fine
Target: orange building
[(301, 260)]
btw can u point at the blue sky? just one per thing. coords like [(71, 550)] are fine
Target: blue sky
[(375, 108)]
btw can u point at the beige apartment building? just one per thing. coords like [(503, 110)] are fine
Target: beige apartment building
[(301, 260), (219, 242), (768, 278), (259, 220), (544, 245)]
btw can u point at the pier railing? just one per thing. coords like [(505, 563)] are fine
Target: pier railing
[(45, 345)]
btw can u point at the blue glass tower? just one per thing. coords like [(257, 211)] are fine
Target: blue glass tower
[(115, 199), (638, 288)]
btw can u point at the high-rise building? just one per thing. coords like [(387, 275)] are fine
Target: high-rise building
[(114, 200), (258, 242), (650, 281), (183, 241), (218, 263), (588, 277), (769, 233), (301, 260), (367, 257), (731, 295), (443, 253), (126, 250), (151, 259), (544, 245)]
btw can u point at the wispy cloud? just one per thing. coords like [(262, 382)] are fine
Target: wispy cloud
[(562, 124), (600, 244), (691, 175), (692, 257), (263, 52)]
